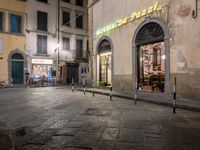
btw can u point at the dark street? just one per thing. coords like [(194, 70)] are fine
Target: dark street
[(54, 118)]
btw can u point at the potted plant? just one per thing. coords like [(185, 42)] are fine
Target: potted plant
[(102, 83)]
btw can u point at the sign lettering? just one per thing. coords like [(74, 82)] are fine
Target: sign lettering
[(125, 20)]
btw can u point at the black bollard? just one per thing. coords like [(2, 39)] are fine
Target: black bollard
[(72, 84), (93, 92), (110, 93), (92, 88), (174, 100), (84, 85), (136, 91)]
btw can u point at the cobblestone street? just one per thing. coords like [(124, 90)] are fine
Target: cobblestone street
[(54, 118)]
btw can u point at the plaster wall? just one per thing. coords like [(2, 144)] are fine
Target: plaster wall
[(10, 41)]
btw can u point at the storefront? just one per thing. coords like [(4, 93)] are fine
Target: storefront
[(150, 50), (42, 68), (132, 53), (149, 43)]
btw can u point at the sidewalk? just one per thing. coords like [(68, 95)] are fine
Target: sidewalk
[(180, 103)]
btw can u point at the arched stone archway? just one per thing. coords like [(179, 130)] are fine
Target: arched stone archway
[(104, 62), (150, 31)]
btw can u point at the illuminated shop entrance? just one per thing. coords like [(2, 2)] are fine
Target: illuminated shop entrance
[(105, 63), (151, 58)]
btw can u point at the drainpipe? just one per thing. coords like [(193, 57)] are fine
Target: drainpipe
[(195, 12), (58, 42)]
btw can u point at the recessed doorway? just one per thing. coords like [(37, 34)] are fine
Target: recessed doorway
[(151, 67), (104, 62)]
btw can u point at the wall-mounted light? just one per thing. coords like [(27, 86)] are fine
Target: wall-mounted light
[(163, 57), (194, 12), (58, 45)]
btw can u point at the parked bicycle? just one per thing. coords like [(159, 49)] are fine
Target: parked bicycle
[(3, 84)]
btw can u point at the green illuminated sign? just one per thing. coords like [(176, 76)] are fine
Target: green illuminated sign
[(125, 20)]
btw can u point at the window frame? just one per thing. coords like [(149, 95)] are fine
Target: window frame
[(43, 52), (66, 1), (78, 4), (1, 46), (63, 43), (43, 1), (10, 23), (79, 14), (79, 52), (64, 24), (46, 28), (3, 21)]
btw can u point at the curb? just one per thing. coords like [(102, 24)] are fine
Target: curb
[(181, 106)]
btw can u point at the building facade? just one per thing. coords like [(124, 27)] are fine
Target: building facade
[(57, 39), (12, 41), (143, 45)]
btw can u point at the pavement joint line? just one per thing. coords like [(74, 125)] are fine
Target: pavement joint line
[(180, 106)]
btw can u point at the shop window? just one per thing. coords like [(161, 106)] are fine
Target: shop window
[(151, 67), (67, 1), (1, 46), (15, 23), (79, 21), (43, 1), (79, 48), (79, 3), (66, 18), (66, 43), (41, 44), (42, 21), (105, 63)]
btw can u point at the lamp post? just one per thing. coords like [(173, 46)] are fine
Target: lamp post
[(58, 42), (58, 60)]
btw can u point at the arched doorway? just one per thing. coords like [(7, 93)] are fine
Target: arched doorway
[(151, 53), (105, 62), (17, 68)]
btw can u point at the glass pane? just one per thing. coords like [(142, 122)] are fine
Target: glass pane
[(79, 2), (79, 47), (1, 21), (44, 45), (66, 18), (66, 44), (79, 21), (1, 46), (13, 23), (19, 25), (42, 21), (151, 67), (17, 56)]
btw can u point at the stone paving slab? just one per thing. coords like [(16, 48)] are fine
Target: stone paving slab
[(61, 120)]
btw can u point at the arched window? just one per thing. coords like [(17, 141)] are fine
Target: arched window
[(104, 46), (17, 56), (151, 58), (150, 33)]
